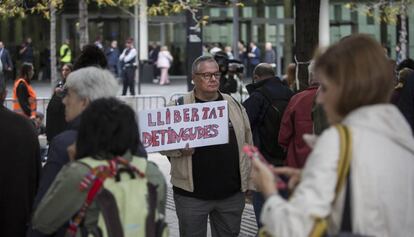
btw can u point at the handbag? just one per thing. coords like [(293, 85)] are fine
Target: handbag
[(343, 174)]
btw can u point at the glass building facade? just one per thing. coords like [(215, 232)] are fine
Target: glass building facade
[(259, 21)]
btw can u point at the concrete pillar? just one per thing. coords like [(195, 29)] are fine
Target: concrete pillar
[(143, 31), (324, 24)]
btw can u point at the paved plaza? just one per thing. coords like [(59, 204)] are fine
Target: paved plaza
[(177, 86)]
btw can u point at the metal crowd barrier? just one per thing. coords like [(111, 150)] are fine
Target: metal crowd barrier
[(175, 96), (142, 102), (42, 103)]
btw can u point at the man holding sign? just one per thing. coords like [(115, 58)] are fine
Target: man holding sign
[(210, 181)]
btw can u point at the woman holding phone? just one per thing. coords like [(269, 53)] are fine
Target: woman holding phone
[(378, 192)]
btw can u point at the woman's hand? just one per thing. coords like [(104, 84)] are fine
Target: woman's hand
[(263, 178), (291, 173)]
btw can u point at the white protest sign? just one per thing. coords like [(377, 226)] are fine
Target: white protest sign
[(169, 128)]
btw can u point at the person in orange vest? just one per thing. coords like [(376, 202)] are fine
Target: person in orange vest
[(24, 96)]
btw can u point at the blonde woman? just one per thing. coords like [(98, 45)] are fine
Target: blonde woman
[(356, 83), (164, 63)]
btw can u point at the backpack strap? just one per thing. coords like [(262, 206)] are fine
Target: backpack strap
[(152, 206), (344, 164), (265, 92), (110, 213), (95, 179)]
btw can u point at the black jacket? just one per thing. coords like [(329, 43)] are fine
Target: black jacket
[(257, 104), (57, 158), (6, 59), (406, 100), (19, 172), (55, 120)]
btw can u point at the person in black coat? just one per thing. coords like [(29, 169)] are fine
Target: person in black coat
[(55, 119), (265, 91), (265, 83), (20, 169), (406, 100), (6, 62)]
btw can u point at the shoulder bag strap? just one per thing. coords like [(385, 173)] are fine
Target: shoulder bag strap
[(345, 139)]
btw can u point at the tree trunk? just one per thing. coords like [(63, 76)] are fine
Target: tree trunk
[(383, 29), (307, 37), (287, 46), (403, 32), (83, 23), (194, 44), (53, 62)]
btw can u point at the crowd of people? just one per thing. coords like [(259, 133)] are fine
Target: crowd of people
[(334, 158)]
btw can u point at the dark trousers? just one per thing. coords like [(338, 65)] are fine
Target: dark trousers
[(128, 80), (225, 215)]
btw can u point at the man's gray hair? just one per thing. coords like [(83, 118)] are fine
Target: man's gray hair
[(92, 83), (199, 60)]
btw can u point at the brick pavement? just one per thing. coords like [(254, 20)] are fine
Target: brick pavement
[(248, 226)]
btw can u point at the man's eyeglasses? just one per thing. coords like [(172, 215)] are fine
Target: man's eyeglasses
[(207, 75)]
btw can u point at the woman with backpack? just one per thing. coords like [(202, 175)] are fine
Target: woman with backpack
[(359, 177), (106, 188)]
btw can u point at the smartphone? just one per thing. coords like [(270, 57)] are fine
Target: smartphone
[(253, 153)]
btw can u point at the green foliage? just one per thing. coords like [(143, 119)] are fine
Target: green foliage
[(169, 7), (20, 8), (390, 9)]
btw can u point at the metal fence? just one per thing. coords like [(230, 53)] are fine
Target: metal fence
[(142, 102), (138, 102), (42, 103), (175, 96)]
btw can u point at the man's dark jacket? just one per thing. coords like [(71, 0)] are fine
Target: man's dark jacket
[(257, 104), (6, 59), (57, 158), (406, 100), (19, 172)]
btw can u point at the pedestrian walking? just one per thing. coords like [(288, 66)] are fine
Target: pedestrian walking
[(164, 63), (65, 53), (24, 96), (268, 98), (26, 51), (358, 167), (270, 54), (6, 64), (112, 55), (254, 58), (55, 120), (128, 65), (20, 172), (210, 182), (90, 56), (297, 121), (98, 43)]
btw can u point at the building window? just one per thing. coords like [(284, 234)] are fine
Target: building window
[(338, 12), (370, 20)]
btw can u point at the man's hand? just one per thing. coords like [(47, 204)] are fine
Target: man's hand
[(292, 173)]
